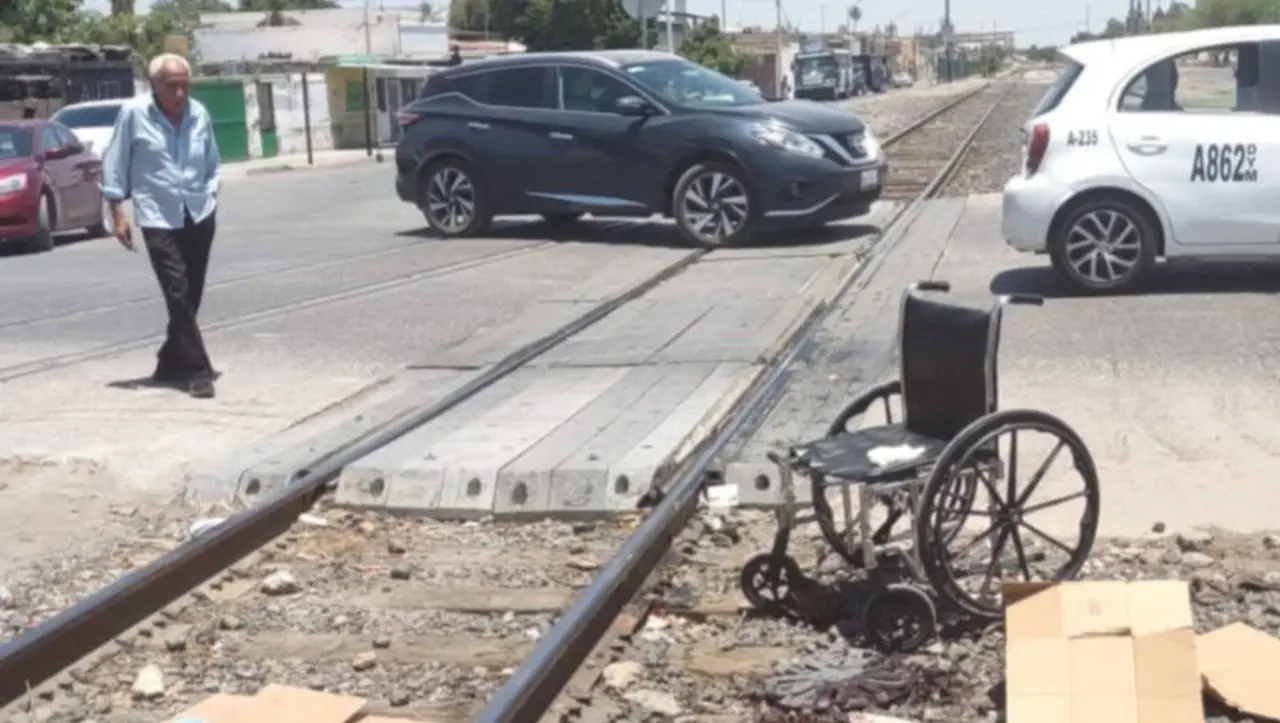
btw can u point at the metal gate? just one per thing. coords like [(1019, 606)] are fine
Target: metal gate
[(224, 99)]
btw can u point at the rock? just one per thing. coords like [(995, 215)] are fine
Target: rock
[(1159, 528), (365, 660), (398, 699), (7, 600), (622, 674), (584, 563), (281, 582), (396, 548), (400, 572), (201, 526), (175, 642), (1196, 559), (230, 622), (313, 520), (1271, 542), (381, 642), (654, 701), (860, 717), (149, 684), (1194, 541)]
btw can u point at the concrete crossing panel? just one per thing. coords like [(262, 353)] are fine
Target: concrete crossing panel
[(551, 442), (748, 331), (630, 335), (489, 346)]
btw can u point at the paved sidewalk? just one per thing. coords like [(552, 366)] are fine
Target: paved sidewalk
[(298, 162)]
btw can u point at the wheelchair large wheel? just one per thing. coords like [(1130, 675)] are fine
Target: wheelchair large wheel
[(1005, 531)]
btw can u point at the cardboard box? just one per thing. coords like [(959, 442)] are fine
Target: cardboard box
[(1101, 652), (280, 704), (1239, 664)]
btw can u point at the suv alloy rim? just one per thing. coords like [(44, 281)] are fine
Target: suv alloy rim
[(715, 206), (1103, 247), (451, 199)]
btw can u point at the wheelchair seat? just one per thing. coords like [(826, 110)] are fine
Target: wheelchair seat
[(886, 453)]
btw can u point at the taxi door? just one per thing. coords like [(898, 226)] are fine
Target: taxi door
[(1204, 151)]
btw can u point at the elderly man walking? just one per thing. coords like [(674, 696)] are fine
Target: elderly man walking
[(164, 159)]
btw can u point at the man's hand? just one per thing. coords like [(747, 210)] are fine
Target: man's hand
[(121, 227)]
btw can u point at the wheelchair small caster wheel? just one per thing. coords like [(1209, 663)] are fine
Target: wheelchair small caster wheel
[(900, 618), (768, 580)]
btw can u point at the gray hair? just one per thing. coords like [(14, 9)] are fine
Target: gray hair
[(158, 63)]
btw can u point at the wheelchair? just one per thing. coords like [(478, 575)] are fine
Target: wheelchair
[(931, 466)]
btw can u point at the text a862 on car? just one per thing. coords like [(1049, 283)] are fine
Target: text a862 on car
[(1148, 148), (49, 182), (628, 133)]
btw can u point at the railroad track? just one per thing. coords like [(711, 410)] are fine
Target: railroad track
[(420, 616)]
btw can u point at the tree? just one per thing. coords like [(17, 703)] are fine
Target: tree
[(855, 14), (576, 25), (707, 46), (50, 21)]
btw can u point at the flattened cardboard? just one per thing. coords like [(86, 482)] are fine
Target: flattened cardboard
[(1239, 665), (274, 704), (1101, 652), (220, 708)]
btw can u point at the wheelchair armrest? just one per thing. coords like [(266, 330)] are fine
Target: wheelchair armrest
[(861, 403), (1026, 299), (929, 285)]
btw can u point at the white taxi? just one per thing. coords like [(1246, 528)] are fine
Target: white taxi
[(1152, 147)]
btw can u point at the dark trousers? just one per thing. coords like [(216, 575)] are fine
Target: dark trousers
[(180, 259)]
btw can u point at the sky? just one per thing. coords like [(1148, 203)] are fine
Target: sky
[(1039, 23)]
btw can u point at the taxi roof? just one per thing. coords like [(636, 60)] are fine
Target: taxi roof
[(1120, 54)]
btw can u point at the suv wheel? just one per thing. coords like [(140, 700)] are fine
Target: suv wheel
[(1104, 246), (712, 206), (453, 201)]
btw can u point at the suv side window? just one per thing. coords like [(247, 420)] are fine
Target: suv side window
[(519, 87), (584, 89), (1220, 79), (473, 86)]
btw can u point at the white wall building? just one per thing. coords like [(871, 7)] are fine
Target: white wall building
[(309, 35)]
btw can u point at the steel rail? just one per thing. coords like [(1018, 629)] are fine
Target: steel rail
[(531, 690), (35, 655)]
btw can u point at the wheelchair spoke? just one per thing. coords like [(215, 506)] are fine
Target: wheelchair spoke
[(1021, 552), (1053, 502), (1039, 475), (1046, 537), (996, 551), (1011, 483), (981, 538), (991, 490)]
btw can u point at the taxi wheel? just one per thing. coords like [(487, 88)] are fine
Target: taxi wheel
[(1104, 246)]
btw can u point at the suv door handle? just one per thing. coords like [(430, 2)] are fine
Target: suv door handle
[(558, 136), (478, 126), (1148, 146)]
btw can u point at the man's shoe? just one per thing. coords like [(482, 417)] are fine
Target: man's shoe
[(201, 388)]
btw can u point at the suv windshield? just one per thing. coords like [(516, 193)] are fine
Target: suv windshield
[(88, 116), (690, 84), (15, 142)]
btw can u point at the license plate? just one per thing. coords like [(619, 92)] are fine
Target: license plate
[(870, 179)]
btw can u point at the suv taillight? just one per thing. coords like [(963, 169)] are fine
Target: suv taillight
[(406, 119), (1036, 146)]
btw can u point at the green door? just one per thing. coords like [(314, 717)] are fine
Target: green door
[(224, 99)]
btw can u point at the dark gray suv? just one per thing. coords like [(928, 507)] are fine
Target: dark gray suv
[(628, 133)]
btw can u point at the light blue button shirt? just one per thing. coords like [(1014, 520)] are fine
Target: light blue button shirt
[(164, 169)]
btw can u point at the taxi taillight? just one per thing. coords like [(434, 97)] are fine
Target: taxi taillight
[(1036, 146)]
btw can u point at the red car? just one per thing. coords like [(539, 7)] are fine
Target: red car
[(49, 183)]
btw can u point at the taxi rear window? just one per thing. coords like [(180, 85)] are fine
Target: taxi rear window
[(1059, 89)]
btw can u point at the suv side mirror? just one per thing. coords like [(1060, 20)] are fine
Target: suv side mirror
[(634, 105)]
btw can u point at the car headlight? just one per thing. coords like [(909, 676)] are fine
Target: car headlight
[(788, 140), (870, 144), (13, 184)]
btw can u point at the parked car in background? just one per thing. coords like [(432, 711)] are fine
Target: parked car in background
[(628, 133), (49, 183), (92, 121)]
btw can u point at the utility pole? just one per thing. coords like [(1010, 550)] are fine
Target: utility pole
[(946, 38), (777, 36), (822, 15), (1088, 26), (671, 36), (368, 33), (724, 17)]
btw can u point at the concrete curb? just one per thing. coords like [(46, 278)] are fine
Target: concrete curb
[(234, 170)]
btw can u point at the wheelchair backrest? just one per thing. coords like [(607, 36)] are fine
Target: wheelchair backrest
[(948, 358)]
